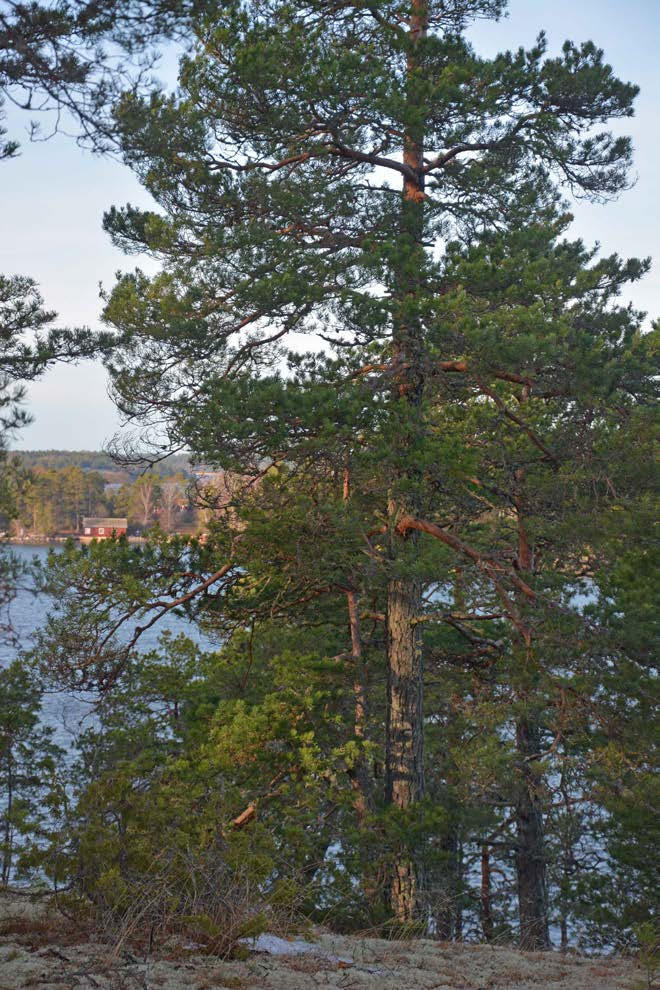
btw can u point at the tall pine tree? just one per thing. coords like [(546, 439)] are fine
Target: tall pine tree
[(308, 172)]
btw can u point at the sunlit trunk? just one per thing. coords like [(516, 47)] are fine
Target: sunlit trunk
[(405, 753)]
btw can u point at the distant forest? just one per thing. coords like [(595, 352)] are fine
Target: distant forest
[(53, 490), (98, 460)]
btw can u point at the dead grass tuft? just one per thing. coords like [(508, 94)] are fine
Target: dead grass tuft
[(216, 978), (51, 930)]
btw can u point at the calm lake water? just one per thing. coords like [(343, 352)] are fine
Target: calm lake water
[(67, 713)]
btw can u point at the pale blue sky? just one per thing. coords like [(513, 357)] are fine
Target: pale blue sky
[(52, 199)]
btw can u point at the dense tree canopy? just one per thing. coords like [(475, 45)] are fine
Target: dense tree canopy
[(437, 413), (364, 176)]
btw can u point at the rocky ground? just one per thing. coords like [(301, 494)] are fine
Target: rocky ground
[(42, 950)]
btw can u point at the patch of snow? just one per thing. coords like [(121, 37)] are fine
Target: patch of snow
[(273, 945)]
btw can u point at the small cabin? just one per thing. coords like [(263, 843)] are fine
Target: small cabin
[(102, 528)]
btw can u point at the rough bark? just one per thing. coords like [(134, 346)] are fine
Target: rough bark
[(405, 770), (404, 749)]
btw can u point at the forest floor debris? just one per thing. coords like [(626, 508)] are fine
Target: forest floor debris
[(41, 950)]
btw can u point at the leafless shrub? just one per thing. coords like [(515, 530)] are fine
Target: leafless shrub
[(193, 899)]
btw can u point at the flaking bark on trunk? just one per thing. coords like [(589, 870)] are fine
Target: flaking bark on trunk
[(404, 744)]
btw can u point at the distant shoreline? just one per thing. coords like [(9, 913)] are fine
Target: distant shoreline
[(41, 541)]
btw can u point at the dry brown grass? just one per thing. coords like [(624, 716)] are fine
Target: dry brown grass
[(39, 949), (36, 925)]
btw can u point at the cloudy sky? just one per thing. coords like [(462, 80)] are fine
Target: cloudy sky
[(53, 196)]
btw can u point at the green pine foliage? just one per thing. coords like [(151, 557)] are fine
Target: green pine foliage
[(432, 580), (29, 778)]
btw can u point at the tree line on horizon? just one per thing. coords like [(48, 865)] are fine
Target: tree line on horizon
[(50, 501), (100, 461), (430, 708)]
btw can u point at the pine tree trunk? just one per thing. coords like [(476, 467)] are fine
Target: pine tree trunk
[(405, 724), (530, 834), (530, 846), (404, 743)]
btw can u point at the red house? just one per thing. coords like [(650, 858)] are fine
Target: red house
[(102, 527)]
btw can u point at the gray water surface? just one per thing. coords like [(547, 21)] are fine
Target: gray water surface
[(68, 713)]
